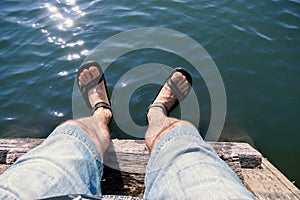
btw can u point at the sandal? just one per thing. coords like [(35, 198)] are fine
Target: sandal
[(178, 93), (96, 80)]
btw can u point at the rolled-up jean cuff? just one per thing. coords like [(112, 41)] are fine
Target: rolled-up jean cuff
[(78, 133), (174, 133)]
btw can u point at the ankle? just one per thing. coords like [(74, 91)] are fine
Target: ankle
[(103, 116), (156, 114)]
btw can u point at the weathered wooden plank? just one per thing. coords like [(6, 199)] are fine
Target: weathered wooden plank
[(267, 182), (247, 155), (132, 155), (127, 156), (237, 155), (12, 149)]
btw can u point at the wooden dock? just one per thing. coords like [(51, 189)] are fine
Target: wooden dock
[(126, 161)]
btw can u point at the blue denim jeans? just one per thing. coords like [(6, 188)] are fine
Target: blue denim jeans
[(182, 166)]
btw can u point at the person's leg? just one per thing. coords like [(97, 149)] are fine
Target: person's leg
[(95, 126), (181, 164), (158, 122), (70, 159)]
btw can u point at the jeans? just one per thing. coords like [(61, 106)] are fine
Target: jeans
[(182, 166)]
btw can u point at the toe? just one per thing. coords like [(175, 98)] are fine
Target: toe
[(89, 76), (80, 81), (94, 71), (84, 76)]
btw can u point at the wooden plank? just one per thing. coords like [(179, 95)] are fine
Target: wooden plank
[(247, 155), (126, 161), (119, 152), (132, 155), (127, 156), (267, 182), (12, 149), (237, 155)]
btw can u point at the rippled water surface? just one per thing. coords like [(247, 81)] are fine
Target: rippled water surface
[(255, 44)]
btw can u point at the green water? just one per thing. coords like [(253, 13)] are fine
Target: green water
[(255, 45)]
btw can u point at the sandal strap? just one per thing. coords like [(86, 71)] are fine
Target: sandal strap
[(91, 84), (85, 88), (159, 105), (179, 95), (100, 105)]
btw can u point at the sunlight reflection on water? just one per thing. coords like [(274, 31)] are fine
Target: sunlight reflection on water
[(64, 15)]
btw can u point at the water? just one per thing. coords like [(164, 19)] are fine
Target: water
[(255, 45)]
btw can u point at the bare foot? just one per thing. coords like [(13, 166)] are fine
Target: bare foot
[(159, 123), (96, 126), (166, 94), (97, 93)]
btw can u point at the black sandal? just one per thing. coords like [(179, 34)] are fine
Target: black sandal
[(96, 80), (179, 95)]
